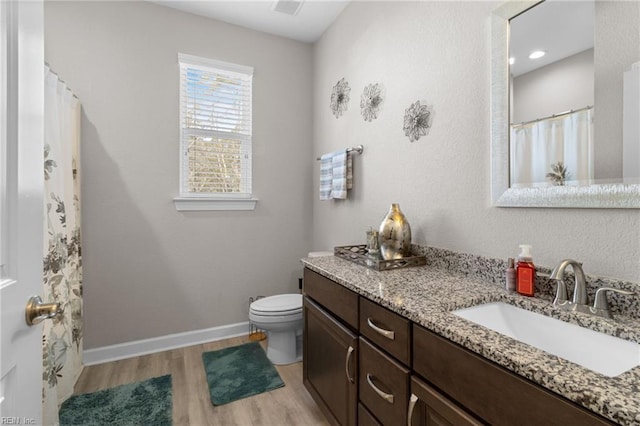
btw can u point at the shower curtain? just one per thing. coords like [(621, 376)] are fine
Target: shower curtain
[(537, 146), (62, 271)]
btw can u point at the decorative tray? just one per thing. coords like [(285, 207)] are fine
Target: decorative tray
[(358, 254)]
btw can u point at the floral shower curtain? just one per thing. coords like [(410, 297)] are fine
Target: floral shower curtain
[(62, 272), (538, 147)]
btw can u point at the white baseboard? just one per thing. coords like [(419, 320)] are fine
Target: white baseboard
[(162, 343)]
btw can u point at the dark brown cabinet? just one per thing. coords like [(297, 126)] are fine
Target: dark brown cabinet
[(365, 364), (428, 407), (365, 418), (386, 329), (384, 385), (340, 301), (330, 348), (490, 391), (330, 364)]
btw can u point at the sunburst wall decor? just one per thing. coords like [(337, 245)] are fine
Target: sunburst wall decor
[(340, 97), (416, 121), (370, 101)]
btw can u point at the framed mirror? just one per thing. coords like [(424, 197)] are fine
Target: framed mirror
[(597, 164)]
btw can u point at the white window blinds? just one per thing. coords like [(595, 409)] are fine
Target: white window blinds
[(215, 117)]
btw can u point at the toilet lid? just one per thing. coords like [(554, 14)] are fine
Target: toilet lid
[(278, 304)]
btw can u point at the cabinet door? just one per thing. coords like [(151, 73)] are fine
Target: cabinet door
[(428, 407), (330, 364)]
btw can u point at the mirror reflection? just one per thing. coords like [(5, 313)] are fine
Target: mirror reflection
[(575, 97)]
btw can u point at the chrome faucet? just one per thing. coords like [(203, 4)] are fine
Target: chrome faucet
[(579, 301)]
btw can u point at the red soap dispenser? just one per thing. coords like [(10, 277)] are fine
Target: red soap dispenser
[(525, 272)]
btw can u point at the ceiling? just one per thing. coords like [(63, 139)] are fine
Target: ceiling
[(561, 28), (310, 22)]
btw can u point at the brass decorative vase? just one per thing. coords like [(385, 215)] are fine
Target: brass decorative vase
[(395, 235)]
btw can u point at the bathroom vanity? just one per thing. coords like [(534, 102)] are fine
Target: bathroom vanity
[(384, 348)]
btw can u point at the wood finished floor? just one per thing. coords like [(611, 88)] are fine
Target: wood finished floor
[(289, 405)]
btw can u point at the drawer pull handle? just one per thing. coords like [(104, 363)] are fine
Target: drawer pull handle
[(391, 335), (386, 396), (412, 405), (346, 364)]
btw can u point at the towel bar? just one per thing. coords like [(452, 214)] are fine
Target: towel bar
[(357, 149)]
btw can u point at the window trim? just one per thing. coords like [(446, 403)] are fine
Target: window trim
[(215, 201), (210, 203)]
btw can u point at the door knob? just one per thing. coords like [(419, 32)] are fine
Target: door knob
[(37, 311)]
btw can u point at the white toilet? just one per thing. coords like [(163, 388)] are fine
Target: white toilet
[(281, 317)]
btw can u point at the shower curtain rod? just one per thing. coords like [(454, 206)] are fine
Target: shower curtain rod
[(560, 114)]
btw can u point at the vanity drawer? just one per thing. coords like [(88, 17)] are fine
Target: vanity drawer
[(383, 385), (492, 392), (386, 329), (337, 299), (365, 418)]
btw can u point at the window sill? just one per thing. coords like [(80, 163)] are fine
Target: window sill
[(186, 204)]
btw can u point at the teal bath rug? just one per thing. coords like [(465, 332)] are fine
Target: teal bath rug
[(142, 403), (238, 372)]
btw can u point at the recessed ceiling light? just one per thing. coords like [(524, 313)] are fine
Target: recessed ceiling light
[(537, 54), (512, 60)]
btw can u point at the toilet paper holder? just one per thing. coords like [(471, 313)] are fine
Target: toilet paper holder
[(255, 334)]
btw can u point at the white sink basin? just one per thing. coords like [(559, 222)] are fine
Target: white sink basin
[(599, 352)]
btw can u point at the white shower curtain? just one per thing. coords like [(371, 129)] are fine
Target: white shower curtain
[(537, 146), (62, 272)]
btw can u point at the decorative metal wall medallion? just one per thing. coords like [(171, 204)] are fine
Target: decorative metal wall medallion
[(416, 121), (370, 101), (340, 97)]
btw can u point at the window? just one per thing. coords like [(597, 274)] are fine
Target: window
[(215, 135)]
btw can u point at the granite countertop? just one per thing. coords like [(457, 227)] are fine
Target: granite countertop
[(426, 295)]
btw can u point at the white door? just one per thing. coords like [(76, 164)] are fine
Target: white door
[(21, 207)]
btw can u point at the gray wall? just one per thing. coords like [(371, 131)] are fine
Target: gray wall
[(152, 271), (617, 46), (438, 52), (148, 269), (561, 86)]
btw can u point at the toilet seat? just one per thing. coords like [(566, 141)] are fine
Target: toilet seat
[(278, 305)]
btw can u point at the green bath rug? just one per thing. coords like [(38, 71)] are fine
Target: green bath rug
[(142, 403), (238, 372)]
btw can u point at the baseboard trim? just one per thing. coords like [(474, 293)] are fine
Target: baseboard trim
[(162, 343)]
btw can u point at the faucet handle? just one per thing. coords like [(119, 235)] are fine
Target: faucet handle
[(601, 305)]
